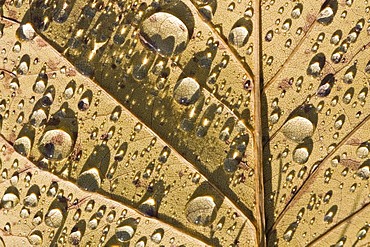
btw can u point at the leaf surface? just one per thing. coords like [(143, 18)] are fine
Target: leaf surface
[(209, 123)]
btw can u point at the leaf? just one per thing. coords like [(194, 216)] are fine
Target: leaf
[(185, 123)]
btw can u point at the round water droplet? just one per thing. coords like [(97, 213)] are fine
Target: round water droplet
[(201, 210), (364, 170), (148, 207), (23, 145), (38, 118), (157, 236), (186, 91), (164, 33), (297, 11), (27, 32), (75, 237), (239, 36), (300, 155), (10, 199), (298, 128), (35, 238), (31, 200), (54, 218), (56, 144), (362, 152), (90, 180), (124, 233)]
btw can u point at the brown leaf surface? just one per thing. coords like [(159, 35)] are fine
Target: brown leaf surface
[(207, 122)]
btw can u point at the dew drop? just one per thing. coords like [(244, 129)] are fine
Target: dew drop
[(35, 238), (124, 233), (300, 155), (186, 91), (164, 33), (90, 180), (239, 36), (298, 128), (54, 218), (56, 144), (201, 210)]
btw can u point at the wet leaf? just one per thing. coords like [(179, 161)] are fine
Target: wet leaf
[(173, 123)]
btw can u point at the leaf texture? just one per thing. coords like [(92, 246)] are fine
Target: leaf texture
[(184, 123)]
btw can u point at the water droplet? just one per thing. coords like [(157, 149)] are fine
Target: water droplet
[(23, 145), (364, 170), (149, 207), (186, 91), (31, 200), (298, 128), (363, 231), (316, 65), (328, 218), (10, 198), (56, 144), (300, 155), (157, 236), (164, 33), (289, 232), (35, 238), (297, 11), (124, 233), (327, 12), (362, 151), (54, 218), (201, 210), (27, 32), (90, 180), (239, 36)]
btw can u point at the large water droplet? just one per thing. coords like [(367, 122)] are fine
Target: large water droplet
[(56, 144), (124, 233), (90, 180), (239, 36), (10, 198), (298, 128), (164, 33), (54, 218), (35, 238), (201, 210), (327, 12), (186, 91)]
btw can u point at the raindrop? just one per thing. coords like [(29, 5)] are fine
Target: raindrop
[(289, 232), (316, 65), (362, 151), (186, 91), (54, 218), (297, 11), (56, 144), (90, 180), (124, 233), (300, 155), (328, 218), (164, 33), (201, 210), (10, 198), (239, 36), (336, 37), (157, 236), (327, 12), (364, 170), (27, 32), (326, 85), (35, 238), (298, 128), (23, 145)]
